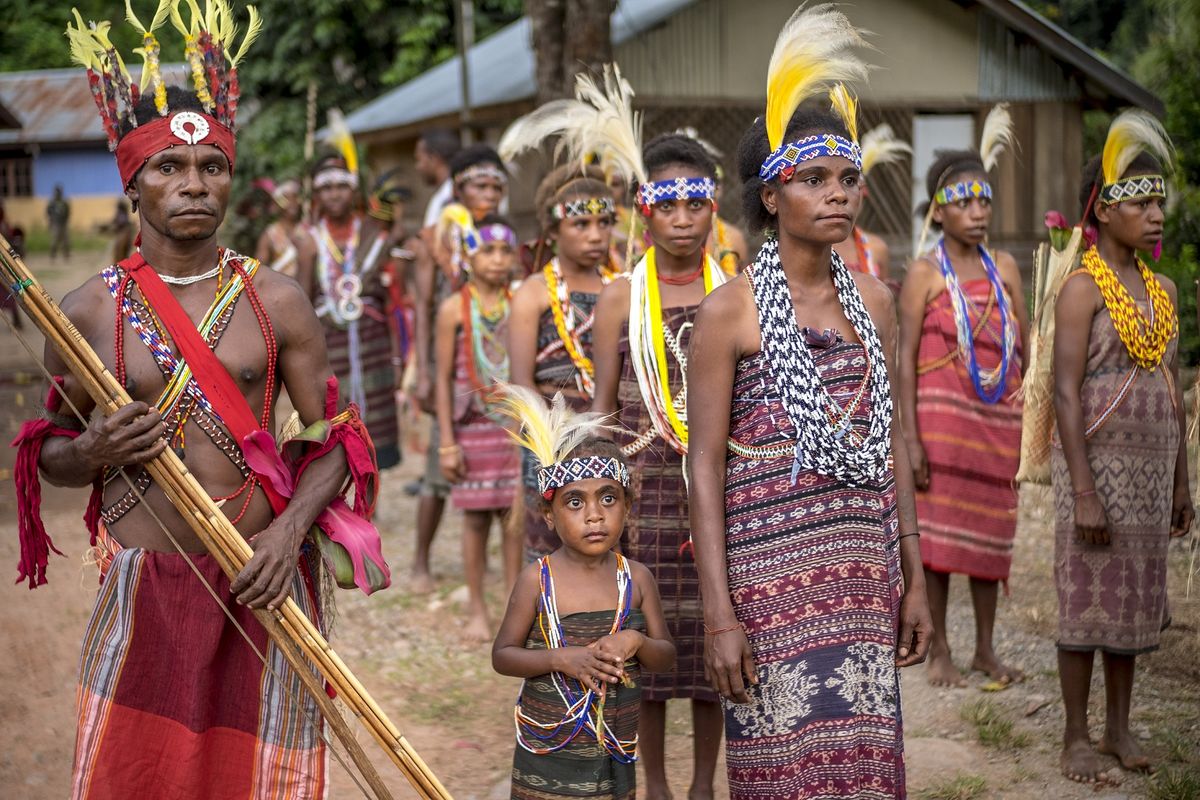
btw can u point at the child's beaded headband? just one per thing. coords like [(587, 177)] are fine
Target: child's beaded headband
[(963, 190), (556, 476), (496, 232), (484, 170), (583, 207)]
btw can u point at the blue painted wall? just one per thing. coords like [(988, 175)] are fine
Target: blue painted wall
[(81, 171)]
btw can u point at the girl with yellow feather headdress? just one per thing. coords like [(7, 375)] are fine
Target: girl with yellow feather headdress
[(640, 353), (1119, 470), (963, 333), (581, 657), (800, 489)]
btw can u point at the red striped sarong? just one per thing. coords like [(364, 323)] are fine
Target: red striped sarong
[(968, 517), (173, 702)]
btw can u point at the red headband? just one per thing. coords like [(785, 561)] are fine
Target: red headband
[(180, 127)]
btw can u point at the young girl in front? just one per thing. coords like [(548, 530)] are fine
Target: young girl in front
[(550, 334), (1119, 469), (963, 324), (580, 651), (476, 453), (642, 330)]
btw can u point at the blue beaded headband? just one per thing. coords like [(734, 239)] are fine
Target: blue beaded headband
[(964, 190), (1138, 187), (783, 161), (650, 194), (559, 475)]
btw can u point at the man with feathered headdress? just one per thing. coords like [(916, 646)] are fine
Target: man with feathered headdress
[(172, 701), (346, 284)]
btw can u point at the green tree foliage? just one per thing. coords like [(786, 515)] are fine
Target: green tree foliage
[(353, 49)]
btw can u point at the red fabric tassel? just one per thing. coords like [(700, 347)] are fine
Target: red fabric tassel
[(35, 542)]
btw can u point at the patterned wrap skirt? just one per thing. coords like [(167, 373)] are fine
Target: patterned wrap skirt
[(814, 577), (1114, 597), (658, 530), (173, 702), (581, 769), (375, 360), (968, 516)]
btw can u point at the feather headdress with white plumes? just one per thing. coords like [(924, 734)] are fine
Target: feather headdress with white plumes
[(813, 54), (880, 146), (549, 431), (1133, 131), (598, 123)]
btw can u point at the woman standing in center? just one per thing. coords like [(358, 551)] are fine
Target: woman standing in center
[(802, 498), (642, 331)]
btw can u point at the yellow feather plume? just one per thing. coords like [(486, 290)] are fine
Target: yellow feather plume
[(880, 146), (616, 135), (253, 29), (551, 432), (84, 48), (813, 52), (845, 105), (340, 138), (1132, 132), (454, 215), (997, 135), (150, 69)]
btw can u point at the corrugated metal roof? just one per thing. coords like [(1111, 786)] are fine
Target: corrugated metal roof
[(55, 106), (501, 71)]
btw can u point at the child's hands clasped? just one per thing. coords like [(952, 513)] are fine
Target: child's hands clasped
[(588, 666), (618, 647)]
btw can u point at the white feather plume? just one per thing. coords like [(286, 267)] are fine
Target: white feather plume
[(997, 135), (616, 134), (880, 146), (549, 432), (562, 118), (1132, 132)]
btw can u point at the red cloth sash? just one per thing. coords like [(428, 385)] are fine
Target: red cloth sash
[(210, 374)]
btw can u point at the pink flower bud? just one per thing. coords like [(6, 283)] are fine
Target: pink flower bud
[(1055, 219)]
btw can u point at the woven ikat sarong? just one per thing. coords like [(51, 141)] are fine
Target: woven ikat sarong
[(814, 576)]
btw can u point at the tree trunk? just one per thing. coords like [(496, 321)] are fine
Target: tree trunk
[(569, 36)]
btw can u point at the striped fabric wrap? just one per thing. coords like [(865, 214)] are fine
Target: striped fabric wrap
[(493, 462), (968, 516), (814, 577), (1114, 597), (372, 345), (172, 702), (582, 769), (657, 529)]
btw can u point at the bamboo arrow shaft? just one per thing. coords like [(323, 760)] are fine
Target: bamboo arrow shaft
[(294, 633)]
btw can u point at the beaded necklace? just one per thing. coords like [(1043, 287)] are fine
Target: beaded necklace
[(484, 373), (648, 348), (1145, 340), (825, 441), (991, 383), (584, 707), (570, 330)]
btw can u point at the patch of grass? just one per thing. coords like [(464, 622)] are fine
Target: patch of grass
[(1175, 784), (993, 728), (960, 787), (1176, 747)]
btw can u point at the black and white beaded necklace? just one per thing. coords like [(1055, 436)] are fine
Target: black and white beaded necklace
[(821, 443)]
